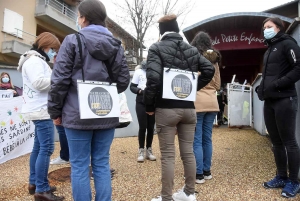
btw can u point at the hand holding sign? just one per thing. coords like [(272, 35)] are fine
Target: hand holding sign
[(12, 91), (6, 94)]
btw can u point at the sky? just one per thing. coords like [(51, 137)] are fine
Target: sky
[(202, 10)]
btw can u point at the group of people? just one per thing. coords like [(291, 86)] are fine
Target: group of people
[(53, 100)]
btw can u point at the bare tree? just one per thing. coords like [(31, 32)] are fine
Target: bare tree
[(142, 14), (180, 8)]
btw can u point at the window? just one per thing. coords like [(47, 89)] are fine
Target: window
[(13, 23)]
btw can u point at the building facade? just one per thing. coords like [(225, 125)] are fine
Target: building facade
[(22, 22), (239, 38)]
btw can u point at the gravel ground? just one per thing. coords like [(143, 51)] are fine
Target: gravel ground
[(242, 160)]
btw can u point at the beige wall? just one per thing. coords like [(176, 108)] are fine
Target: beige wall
[(27, 10), (58, 32)]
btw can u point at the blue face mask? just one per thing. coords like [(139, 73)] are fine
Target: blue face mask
[(269, 33), (5, 79), (51, 53), (78, 25)]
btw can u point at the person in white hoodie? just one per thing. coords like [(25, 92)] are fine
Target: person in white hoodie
[(36, 83)]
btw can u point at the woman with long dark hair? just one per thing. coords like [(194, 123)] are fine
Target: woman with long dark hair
[(280, 73), (207, 108)]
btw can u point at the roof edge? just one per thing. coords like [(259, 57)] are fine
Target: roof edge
[(293, 25), (129, 34), (280, 6), (259, 14)]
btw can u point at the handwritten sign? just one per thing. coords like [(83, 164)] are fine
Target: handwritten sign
[(16, 134), (6, 94)]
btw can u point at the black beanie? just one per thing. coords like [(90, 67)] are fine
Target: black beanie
[(168, 23)]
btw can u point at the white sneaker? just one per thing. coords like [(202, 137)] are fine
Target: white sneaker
[(58, 161), (181, 196), (149, 154), (208, 177), (141, 156), (157, 199), (200, 179)]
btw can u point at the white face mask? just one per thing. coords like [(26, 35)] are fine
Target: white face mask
[(5, 79), (269, 33), (78, 25)]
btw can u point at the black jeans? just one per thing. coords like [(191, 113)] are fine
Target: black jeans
[(280, 119), (146, 122)]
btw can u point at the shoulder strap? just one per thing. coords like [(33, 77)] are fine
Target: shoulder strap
[(186, 59), (80, 54), (108, 65)]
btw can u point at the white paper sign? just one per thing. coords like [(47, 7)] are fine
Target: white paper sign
[(179, 85), (6, 94), (16, 134), (98, 100)]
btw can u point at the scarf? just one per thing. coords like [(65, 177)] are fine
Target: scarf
[(5, 85)]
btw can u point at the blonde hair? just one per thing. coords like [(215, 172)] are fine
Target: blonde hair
[(45, 40), (5, 73)]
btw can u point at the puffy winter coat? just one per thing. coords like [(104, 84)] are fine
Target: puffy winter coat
[(166, 54), (206, 100), (281, 68), (98, 45)]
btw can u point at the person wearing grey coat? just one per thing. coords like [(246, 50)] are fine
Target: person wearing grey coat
[(100, 58), (98, 45)]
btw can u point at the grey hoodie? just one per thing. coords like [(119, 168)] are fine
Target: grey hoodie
[(98, 45)]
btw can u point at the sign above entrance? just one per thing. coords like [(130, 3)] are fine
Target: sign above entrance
[(238, 40)]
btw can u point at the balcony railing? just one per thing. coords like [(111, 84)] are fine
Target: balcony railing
[(62, 8), (20, 36)]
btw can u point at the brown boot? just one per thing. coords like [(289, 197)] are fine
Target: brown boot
[(47, 196), (32, 187)]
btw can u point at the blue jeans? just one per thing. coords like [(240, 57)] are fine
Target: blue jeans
[(202, 140), (43, 148), (86, 146), (64, 147)]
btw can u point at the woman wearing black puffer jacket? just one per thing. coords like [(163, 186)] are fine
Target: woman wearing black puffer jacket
[(174, 115), (277, 88)]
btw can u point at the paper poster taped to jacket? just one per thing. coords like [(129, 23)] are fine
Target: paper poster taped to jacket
[(179, 85), (98, 100)]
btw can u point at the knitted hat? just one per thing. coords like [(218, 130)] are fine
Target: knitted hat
[(168, 23)]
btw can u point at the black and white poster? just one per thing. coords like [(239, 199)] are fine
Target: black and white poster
[(98, 100), (179, 85)]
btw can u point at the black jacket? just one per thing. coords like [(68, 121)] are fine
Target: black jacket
[(281, 68), (134, 89), (160, 55)]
